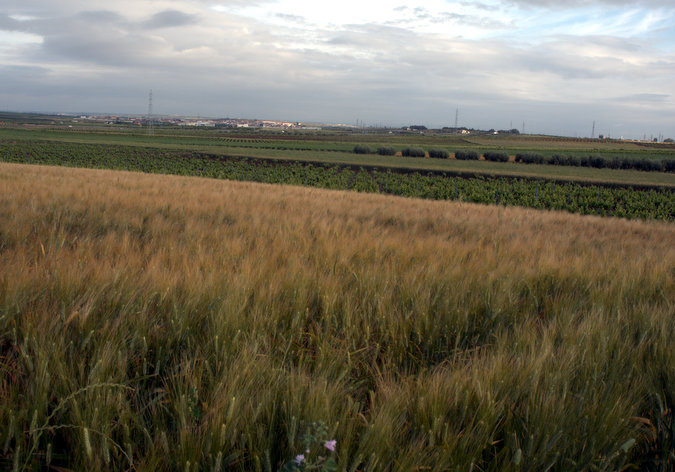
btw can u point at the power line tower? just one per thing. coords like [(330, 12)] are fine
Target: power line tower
[(456, 117), (151, 130), (593, 132)]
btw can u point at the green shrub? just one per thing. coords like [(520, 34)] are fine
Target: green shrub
[(529, 158), (465, 155), (629, 163), (572, 161), (439, 153), (413, 152), (598, 162), (614, 163), (386, 151), (496, 156), (648, 165), (556, 160), (361, 149)]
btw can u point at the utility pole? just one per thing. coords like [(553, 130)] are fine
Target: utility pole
[(151, 131), (593, 132)]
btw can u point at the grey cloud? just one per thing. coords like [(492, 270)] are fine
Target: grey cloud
[(99, 37), (645, 97), (420, 12), (11, 75), (100, 17), (569, 69), (170, 18), (40, 7), (611, 43), (242, 67), (10, 24), (373, 36), (106, 38), (478, 5), (122, 51), (415, 62), (564, 58), (96, 21)]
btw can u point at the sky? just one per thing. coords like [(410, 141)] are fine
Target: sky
[(541, 66)]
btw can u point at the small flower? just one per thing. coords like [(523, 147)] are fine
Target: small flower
[(299, 458), (330, 445)]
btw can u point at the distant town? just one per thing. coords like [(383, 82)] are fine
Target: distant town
[(287, 125), (186, 121), (169, 121)]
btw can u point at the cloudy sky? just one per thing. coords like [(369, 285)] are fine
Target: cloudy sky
[(555, 65)]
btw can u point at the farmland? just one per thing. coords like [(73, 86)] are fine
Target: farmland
[(160, 322), (225, 300), (327, 160)]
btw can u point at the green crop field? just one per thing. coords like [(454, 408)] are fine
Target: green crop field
[(336, 148), (654, 202)]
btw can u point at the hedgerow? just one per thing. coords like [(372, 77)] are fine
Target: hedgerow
[(464, 155), (361, 149), (596, 161), (439, 153), (413, 152), (386, 151), (529, 158), (496, 156)]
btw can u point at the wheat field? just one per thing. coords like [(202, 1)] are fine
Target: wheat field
[(170, 323)]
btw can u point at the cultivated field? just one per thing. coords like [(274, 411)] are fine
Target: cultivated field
[(155, 322), (337, 148), (628, 199)]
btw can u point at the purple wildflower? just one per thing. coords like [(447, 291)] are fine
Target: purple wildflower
[(330, 445)]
